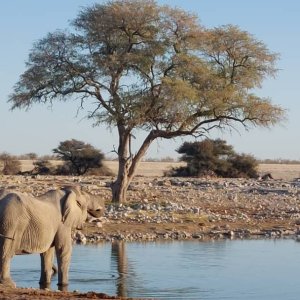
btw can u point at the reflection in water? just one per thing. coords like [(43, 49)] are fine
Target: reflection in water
[(235, 270), (127, 279), (118, 257)]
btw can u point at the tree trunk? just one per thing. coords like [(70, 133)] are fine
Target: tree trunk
[(120, 186), (127, 164)]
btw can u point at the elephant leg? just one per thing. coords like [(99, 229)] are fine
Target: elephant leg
[(63, 254), (5, 259), (5, 278), (46, 268), (63, 262)]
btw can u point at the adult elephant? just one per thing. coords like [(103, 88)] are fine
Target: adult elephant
[(42, 225)]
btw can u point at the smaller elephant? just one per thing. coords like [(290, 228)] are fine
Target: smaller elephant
[(43, 225)]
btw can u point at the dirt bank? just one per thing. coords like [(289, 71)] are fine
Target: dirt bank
[(34, 294)]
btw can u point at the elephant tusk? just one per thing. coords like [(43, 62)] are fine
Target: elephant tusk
[(6, 237)]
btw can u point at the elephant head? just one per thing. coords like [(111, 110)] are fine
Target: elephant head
[(95, 205), (90, 203), (74, 207)]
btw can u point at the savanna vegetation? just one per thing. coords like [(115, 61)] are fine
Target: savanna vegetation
[(9, 164), (154, 68), (214, 158), (79, 157)]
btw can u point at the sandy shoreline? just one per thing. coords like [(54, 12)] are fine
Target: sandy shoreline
[(35, 294)]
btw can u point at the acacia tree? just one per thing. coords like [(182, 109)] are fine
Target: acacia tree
[(204, 157), (153, 68), (79, 156), (214, 157)]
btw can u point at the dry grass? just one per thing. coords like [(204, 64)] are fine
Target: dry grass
[(152, 169), (157, 169), (281, 171)]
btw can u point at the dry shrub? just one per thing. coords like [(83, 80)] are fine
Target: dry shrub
[(9, 165)]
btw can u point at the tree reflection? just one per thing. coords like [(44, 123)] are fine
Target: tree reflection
[(118, 256)]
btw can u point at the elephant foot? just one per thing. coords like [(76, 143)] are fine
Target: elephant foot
[(45, 285), (63, 287), (7, 282)]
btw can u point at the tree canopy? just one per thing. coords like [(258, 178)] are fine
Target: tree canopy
[(79, 156), (154, 68)]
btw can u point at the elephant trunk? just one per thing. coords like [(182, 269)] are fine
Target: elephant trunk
[(96, 212)]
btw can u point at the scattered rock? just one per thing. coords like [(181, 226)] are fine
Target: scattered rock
[(80, 238), (196, 208)]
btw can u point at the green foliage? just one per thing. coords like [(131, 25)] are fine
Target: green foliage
[(214, 157), (9, 165), (184, 78), (79, 157)]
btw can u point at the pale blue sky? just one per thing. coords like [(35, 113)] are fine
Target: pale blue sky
[(39, 130)]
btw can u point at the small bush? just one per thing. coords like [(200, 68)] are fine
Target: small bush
[(9, 164), (214, 158)]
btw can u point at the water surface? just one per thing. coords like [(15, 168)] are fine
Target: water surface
[(241, 269)]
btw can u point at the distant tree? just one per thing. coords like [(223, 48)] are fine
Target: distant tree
[(214, 157), (28, 156), (154, 68), (160, 159), (79, 156), (31, 156), (280, 161), (9, 165), (167, 159)]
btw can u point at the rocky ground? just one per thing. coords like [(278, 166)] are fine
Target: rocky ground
[(183, 208), (162, 208)]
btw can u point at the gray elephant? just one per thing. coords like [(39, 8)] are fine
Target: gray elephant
[(43, 225)]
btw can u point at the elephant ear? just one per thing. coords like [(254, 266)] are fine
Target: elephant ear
[(71, 213)]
